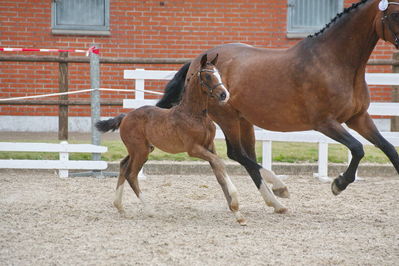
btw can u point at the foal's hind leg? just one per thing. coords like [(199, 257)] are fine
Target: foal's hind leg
[(218, 167), (124, 165), (138, 156), (247, 139)]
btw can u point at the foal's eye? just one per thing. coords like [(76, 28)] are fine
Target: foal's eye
[(208, 77)]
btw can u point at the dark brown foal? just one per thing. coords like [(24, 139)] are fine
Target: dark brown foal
[(183, 128)]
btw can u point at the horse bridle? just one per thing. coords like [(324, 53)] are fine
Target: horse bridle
[(386, 21), (204, 84)]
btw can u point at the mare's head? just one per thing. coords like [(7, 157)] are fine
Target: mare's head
[(388, 25), (211, 81)]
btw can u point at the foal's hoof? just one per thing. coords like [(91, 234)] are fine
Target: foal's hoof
[(120, 209), (281, 192), (240, 218), (281, 210), (242, 222)]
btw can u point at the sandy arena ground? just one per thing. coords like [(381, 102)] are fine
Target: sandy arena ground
[(45, 220)]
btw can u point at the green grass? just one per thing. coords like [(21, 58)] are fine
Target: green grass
[(282, 152)]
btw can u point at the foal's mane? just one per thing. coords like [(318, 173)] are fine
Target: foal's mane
[(339, 15)]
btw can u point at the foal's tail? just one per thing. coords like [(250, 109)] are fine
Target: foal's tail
[(174, 89), (112, 123)]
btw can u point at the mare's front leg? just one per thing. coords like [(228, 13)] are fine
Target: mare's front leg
[(247, 139), (232, 131), (337, 132), (218, 167), (364, 125)]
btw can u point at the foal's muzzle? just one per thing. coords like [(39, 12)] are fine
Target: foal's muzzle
[(223, 96)]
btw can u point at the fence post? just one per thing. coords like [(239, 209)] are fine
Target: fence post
[(267, 155), (95, 101), (395, 94), (63, 108), (64, 157)]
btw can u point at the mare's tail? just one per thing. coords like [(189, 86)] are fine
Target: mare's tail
[(112, 123), (174, 89)]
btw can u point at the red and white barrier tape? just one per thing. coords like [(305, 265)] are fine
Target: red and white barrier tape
[(74, 92), (92, 49)]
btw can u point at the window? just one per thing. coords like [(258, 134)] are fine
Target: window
[(82, 17), (308, 16)]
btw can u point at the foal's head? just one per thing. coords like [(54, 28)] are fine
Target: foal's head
[(211, 81)]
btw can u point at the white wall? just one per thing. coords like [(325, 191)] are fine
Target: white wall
[(43, 123)]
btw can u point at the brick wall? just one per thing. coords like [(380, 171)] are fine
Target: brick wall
[(167, 29)]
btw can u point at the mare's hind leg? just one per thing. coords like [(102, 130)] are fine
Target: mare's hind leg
[(218, 167), (365, 126), (124, 165), (247, 138), (231, 128), (334, 130)]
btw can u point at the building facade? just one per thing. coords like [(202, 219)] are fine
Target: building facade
[(140, 29)]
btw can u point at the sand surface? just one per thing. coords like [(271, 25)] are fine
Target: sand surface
[(45, 220)]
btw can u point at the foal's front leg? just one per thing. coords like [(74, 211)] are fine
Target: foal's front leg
[(218, 167)]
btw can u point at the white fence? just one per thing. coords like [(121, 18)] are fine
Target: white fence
[(63, 164), (267, 137)]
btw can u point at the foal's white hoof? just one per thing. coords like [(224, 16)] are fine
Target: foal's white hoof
[(240, 219), (281, 210), (149, 211), (120, 209), (242, 222)]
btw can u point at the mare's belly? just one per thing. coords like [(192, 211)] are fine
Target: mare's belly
[(272, 113)]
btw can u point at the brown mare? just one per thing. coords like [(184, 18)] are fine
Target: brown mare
[(183, 128), (317, 84)]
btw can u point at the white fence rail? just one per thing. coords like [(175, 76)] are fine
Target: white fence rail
[(267, 137), (63, 164)]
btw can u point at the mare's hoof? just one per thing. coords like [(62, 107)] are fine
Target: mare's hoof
[(336, 187), (281, 192), (281, 210)]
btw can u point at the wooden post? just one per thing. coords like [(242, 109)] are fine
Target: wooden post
[(395, 94), (63, 108)]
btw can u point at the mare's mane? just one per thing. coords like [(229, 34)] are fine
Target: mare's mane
[(339, 15)]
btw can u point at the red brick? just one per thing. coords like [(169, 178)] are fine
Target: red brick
[(180, 29)]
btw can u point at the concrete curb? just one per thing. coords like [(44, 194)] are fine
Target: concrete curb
[(306, 169)]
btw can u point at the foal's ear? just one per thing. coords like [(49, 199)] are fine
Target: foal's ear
[(204, 58), (215, 60)]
